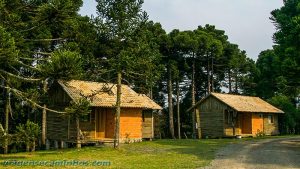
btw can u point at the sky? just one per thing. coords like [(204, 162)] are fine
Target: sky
[(246, 22)]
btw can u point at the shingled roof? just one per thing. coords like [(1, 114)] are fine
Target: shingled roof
[(244, 103), (104, 94)]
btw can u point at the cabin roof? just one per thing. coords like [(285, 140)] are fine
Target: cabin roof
[(104, 94), (244, 103)]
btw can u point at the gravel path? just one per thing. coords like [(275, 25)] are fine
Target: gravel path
[(277, 153)]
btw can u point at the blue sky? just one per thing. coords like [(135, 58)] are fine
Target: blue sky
[(246, 22)]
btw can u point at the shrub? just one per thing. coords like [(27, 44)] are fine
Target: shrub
[(27, 134)]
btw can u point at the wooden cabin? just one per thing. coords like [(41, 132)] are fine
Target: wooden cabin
[(136, 119), (227, 115)]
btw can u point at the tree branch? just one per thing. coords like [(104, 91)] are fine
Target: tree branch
[(35, 59), (29, 29), (19, 77), (27, 66), (45, 40), (19, 94)]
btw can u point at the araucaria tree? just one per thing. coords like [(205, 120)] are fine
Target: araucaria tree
[(278, 69), (119, 25), (32, 30)]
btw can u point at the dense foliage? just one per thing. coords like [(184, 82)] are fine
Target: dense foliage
[(279, 68)]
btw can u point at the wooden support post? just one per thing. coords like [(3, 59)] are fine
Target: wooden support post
[(152, 125), (198, 123), (62, 144), (78, 144), (55, 144), (47, 144), (234, 119)]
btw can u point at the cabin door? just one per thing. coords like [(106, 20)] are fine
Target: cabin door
[(257, 123), (100, 123), (246, 123)]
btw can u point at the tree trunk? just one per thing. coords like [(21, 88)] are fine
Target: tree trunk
[(78, 143), (170, 101), (44, 116), (178, 108), (151, 92), (193, 98), (212, 75), (229, 81), (27, 147), (7, 108), (33, 146), (118, 111), (208, 76), (236, 83)]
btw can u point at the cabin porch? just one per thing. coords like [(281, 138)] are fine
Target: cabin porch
[(247, 124), (101, 125)]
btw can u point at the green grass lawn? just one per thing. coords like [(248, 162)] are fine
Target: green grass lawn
[(154, 154)]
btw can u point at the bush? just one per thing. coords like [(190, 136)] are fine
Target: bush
[(27, 134), (289, 122)]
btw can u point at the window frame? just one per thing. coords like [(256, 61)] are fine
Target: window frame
[(228, 117), (271, 118)]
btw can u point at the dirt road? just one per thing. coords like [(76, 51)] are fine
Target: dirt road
[(277, 153)]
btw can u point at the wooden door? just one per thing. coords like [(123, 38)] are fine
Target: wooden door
[(100, 123), (110, 124), (257, 123), (246, 123)]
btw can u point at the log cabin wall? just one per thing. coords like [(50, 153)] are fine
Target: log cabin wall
[(86, 125), (228, 130), (59, 127), (57, 124), (147, 127), (58, 98), (271, 126), (212, 117), (131, 123)]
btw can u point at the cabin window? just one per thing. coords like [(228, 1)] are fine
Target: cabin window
[(86, 118), (90, 117), (228, 117), (271, 119)]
